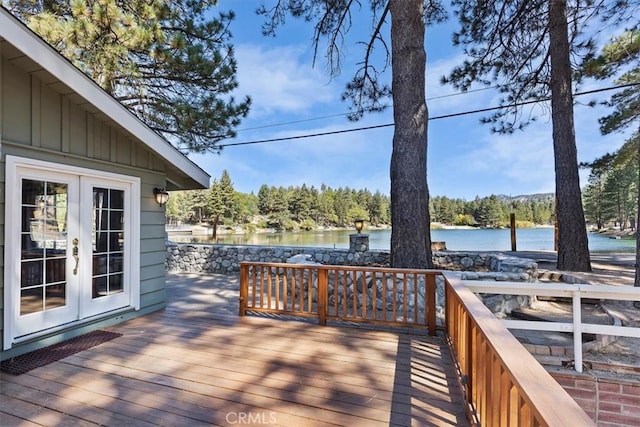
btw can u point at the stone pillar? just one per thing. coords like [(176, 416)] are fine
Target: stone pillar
[(358, 242)]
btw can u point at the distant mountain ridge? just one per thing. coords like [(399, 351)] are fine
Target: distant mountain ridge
[(538, 197)]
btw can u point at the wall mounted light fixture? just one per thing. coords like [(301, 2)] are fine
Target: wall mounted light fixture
[(162, 195)]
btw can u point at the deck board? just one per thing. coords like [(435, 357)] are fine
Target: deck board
[(197, 364)]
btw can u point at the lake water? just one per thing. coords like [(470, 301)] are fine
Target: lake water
[(533, 239)]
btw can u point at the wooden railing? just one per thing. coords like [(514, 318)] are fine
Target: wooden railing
[(574, 292), (504, 384), (399, 297)]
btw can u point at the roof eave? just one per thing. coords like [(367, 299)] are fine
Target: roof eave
[(32, 45)]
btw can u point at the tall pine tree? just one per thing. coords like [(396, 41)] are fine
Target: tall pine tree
[(524, 48), (368, 91)]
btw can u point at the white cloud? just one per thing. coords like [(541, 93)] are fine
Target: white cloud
[(445, 99), (438, 69), (280, 81), (524, 157)]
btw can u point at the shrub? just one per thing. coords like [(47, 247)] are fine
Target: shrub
[(290, 225), (249, 228), (308, 225)]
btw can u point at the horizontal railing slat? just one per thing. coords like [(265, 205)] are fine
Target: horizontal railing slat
[(589, 328), (622, 293)]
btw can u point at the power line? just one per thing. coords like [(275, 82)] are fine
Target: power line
[(449, 95), (293, 122), (445, 116), (311, 135), (331, 116)]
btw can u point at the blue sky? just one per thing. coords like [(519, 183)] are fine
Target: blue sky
[(291, 97)]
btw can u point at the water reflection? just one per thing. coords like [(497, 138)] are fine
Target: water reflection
[(532, 239)]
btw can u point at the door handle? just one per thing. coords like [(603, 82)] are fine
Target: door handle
[(75, 256)]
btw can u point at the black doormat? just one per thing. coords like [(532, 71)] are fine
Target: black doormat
[(25, 362)]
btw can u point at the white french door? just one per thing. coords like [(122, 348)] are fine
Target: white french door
[(105, 243), (68, 247), (45, 287)]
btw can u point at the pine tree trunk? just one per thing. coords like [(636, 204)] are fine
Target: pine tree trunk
[(573, 247), (214, 226), (410, 232)]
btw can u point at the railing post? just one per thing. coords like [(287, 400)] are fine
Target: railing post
[(244, 288), (323, 295), (577, 331), (430, 303)]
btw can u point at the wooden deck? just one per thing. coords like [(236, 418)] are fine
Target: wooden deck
[(197, 363)]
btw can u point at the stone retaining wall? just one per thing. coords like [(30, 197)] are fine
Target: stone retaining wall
[(225, 259)]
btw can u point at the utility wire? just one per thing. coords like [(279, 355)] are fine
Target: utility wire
[(293, 122), (311, 135), (445, 116)]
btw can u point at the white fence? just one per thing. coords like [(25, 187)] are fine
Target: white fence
[(577, 293)]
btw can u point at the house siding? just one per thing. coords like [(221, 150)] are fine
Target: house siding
[(40, 122), (2, 233)]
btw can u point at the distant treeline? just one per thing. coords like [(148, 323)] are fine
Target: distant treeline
[(308, 208), (494, 211)]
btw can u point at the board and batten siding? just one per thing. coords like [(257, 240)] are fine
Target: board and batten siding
[(46, 121)]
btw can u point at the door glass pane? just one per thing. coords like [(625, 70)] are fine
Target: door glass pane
[(99, 286), (99, 264), (100, 242), (32, 192), (108, 237), (55, 296), (116, 222), (43, 245), (115, 283), (115, 263), (117, 200), (56, 270), (115, 241), (31, 273), (29, 248), (31, 300)]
